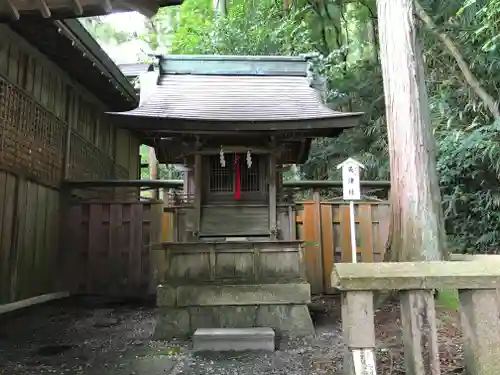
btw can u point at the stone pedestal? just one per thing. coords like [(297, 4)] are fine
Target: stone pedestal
[(232, 285), (185, 308)]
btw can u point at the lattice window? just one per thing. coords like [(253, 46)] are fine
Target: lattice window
[(250, 177), (31, 137), (222, 179)]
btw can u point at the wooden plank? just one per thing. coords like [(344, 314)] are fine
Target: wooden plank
[(32, 301), (13, 63), (51, 277), (40, 251), (6, 245), (155, 257), (327, 248), (17, 244), (26, 266), (148, 223), (93, 267), (272, 196), (312, 248), (75, 249), (4, 251), (166, 235), (4, 56), (115, 267), (135, 265), (366, 233), (345, 230), (384, 212)]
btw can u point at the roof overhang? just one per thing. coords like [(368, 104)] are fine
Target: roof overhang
[(289, 150), (68, 44), (63, 9), (314, 127)]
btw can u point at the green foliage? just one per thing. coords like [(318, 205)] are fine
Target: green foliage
[(247, 29), (341, 38)]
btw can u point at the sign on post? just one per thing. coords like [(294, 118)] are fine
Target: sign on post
[(351, 190), (364, 362)]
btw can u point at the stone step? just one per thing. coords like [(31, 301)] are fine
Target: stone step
[(234, 339)]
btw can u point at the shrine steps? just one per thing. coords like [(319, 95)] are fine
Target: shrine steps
[(234, 339)]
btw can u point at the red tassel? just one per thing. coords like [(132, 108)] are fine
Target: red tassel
[(237, 188)]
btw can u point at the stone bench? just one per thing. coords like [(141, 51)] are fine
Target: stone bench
[(477, 282)]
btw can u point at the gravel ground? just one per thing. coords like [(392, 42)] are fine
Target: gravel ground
[(89, 336)]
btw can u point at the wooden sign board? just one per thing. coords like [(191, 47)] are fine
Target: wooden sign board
[(351, 188)]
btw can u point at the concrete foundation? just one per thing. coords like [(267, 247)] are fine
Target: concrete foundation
[(186, 308)]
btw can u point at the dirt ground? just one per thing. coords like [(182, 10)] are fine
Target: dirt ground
[(91, 336)]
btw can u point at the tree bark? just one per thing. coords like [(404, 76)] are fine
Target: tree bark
[(452, 48), (417, 221)]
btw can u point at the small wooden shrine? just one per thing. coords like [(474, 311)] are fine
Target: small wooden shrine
[(232, 123)]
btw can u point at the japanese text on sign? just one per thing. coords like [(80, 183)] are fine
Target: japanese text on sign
[(350, 177)]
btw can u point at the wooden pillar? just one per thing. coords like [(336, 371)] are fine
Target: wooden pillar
[(480, 311), (197, 194), (153, 171), (358, 330), (418, 320), (273, 229)]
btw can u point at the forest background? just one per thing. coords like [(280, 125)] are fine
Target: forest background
[(461, 56)]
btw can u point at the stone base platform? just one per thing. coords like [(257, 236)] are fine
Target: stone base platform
[(233, 339), (184, 309)]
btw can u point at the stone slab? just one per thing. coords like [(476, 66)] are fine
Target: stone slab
[(233, 295), (416, 275), (158, 365), (234, 339)]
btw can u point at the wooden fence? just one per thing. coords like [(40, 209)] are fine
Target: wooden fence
[(325, 229), (108, 248), (29, 238)]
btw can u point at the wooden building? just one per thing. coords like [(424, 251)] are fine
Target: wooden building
[(232, 122), (56, 84), (65, 9)]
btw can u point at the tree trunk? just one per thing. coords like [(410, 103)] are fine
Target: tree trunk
[(417, 221)]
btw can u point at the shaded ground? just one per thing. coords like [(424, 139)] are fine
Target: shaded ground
[(87, 336)]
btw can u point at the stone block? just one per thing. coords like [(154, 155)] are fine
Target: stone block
[(416, 275), (223, 316), (166, 296), (287, 320), (172, 322), (480, 311), (258, 294), (234, 339)]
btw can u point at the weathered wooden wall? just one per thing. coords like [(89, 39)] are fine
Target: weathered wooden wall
[(43, 112), (29, 234), (325, 228), (107, 247)]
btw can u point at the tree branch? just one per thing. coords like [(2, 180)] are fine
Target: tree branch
[(452, 48)]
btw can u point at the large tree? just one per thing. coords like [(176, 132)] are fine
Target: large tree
[(417, 223)]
